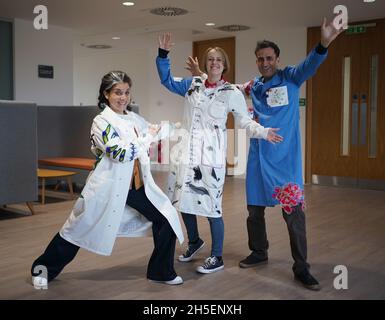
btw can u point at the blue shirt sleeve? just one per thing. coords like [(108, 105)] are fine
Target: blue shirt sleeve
[(167, 79), (307, 68)]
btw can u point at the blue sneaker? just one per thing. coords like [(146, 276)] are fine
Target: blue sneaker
[(191, 251), (212, 264)]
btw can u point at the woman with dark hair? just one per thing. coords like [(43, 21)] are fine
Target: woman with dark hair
[(199, 166), (120, 198)]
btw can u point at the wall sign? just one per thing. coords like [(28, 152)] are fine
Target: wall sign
[(45, 71), (356, 29)]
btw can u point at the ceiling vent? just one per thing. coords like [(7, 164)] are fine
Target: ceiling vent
[(233, 28), (168, 11), (196, 32), (98, 46)]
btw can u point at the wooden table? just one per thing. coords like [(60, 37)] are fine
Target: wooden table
[(48, 173), (68, 162)]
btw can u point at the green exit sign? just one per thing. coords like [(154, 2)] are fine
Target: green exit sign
[(356, 29), (302, 102)]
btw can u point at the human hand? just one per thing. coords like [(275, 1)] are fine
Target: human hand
[(153, 129), (192, 65), (329, 33), (177, 125), (273, 137), (165, 41)]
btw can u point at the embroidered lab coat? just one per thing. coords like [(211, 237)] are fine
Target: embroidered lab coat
[(198, 160), (273, 167), (101, 213)]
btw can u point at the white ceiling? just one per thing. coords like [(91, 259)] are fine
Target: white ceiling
[(99, 20)]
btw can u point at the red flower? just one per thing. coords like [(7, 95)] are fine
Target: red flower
[(289, 196)]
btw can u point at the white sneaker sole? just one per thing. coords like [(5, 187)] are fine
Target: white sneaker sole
[(182, 258), (39, 283), (176, 281), (200, 269)]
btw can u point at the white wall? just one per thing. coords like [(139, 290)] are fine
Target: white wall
[(52, 47), (163, 104), (155, 102), (90, 68)]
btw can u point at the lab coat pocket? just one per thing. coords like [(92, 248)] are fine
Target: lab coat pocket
[(213, 178), (98, 186), (213, 148), (217, 110), (277, 97), (79, 207)]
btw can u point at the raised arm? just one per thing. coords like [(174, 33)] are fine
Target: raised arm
[(238, 107), (176, 85), (309, 66)]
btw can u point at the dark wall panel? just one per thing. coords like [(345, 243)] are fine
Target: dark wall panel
[(18, 156), (6, 60)]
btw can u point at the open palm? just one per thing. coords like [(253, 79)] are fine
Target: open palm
[(165, 41), (273, 137), (329, 32)]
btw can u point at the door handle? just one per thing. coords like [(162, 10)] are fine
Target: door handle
[(363, 115), (354, 131)]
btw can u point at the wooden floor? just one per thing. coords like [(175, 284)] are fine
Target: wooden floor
[(344, 227)]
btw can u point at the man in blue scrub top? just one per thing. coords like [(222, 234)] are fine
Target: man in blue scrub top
[(274, 172)]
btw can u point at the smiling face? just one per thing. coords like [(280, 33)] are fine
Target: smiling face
[(267, 62), (215, 63), (118, 97)]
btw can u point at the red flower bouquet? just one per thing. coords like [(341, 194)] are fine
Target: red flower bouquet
[(289, 196)]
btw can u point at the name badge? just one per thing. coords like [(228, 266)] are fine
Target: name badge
[(277, 97)]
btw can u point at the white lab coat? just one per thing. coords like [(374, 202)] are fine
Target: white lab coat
[(101, 214), (198, 160)]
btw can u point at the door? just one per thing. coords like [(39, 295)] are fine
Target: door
[(346, 110), (227, 44)]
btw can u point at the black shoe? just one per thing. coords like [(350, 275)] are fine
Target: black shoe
[(253, 260), (307, 280), (211, 264), (191, 251)]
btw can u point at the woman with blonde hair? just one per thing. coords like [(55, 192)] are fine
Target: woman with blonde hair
[(198, 169)]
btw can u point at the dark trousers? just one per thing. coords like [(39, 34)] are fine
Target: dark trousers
[(295, 221), (60, 252), (161, 264)]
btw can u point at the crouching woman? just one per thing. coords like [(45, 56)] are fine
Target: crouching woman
[(120, 198)]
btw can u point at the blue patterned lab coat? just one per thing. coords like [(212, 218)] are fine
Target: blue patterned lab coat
[(272, 168)]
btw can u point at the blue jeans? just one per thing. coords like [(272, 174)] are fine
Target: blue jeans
[(217, 232)]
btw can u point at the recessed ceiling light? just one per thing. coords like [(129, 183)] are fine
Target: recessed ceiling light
[(128, 4), (210, 24), (368, 1), (115, 38)]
